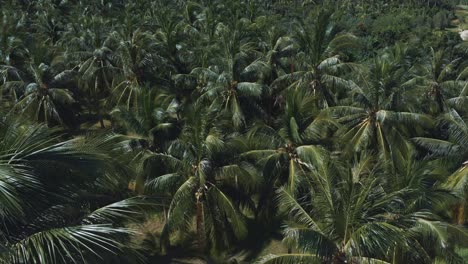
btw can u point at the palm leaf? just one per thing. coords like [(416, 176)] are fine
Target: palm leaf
[(376, 238), (309, 240), (67, 245), (296, 211), (290, 259), (225, 205), (182, 206), (128, 210), (249, 89), (166, 183), (12, 179), (437, 146)]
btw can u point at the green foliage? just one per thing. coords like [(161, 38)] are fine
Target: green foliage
[(213, 127)]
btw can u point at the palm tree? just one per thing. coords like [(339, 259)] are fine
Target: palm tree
[(169, 30), (276, 61), (456, 137), (380, 119), (227, 84), (153, 119), (49, 25), (439, 81), (460, 99), (55, 229), (286, 153), (230, 127), (151, 125), (319, 62), (198, 171), (13, 52), (12, 48), (452, 149), (278, 50), (134, 57), (350, 215), (91, 50), (42, 90)]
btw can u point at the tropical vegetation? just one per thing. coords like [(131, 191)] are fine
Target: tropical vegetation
[(242, 131)]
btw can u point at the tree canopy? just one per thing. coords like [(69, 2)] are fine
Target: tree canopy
[(243, 131)]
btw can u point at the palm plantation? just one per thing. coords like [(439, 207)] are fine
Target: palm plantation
[(233, 132)]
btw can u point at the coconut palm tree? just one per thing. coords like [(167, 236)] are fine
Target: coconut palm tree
[(461, 99), (440, 81), (206, 185), (319, 63), (135, 58), (150, 126), (13, 52), (246, 121), (49, 25), (380, 119), (153, 119), (45, 182), (169, 30), (227, 84), (456, 138), (452, 149), (12, 48), (277, 52), (41, 92), (286, 152), (90, 49), (350, 215)]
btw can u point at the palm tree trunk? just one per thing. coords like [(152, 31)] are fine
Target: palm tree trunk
[(200, 227), (101, 121), (291, 65), (140, 184), (459, 213)]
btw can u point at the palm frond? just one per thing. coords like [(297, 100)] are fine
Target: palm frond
[(290, 259), (249, 89), (309, 240), (68, 245), (182, 206), (225, 205), (296, 211), (12, 179), (126, 210), (376, 238), (437, 146), (166, 183), (406, 118)]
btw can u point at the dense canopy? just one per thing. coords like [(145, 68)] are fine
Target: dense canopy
[(233, 131)]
